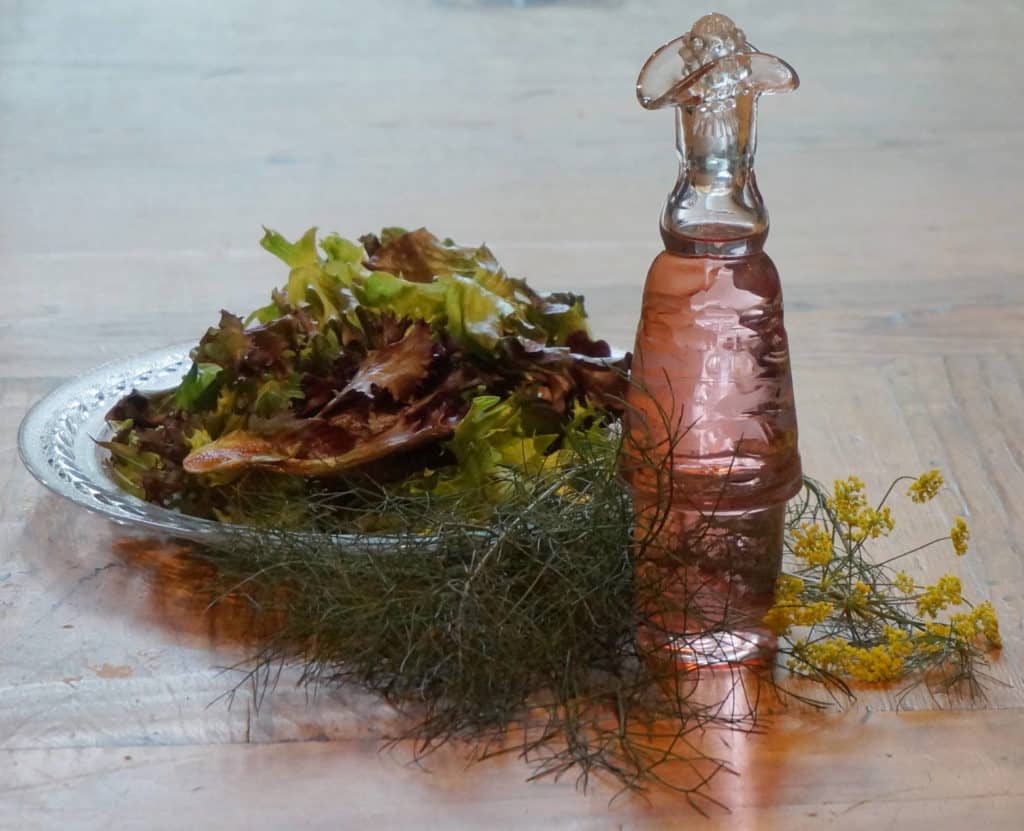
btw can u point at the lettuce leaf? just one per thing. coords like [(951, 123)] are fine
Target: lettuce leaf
[(473, 316), (403, 298), (324, 283), (561, 316), (491, 440), (198, 387), (295, 254)]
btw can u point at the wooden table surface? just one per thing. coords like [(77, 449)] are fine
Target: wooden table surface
[(142, 145)]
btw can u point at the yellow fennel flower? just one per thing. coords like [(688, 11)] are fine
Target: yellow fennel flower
[(847, 499), (789, 610), (787, 587), (850, 505), (813, 544), (782, 617), (926, 486), (779, 618), (875, 664), (874, 523), (960, 534), (904, 582), (985, 618), (812, 613), (898, 642), (855, 599), (828, 656), (962, 626), (933, 640), (947, 592), (980, 621)]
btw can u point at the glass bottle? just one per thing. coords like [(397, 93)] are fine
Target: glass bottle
[(712, 436)]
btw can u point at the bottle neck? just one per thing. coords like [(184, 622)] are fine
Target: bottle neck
[(715, 209)]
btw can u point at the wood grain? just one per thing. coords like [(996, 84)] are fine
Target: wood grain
[(143, 145)]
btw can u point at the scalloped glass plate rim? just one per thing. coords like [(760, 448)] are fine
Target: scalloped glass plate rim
[(56, 442)]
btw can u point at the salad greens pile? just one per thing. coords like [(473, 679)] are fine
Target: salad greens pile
[(402, 362)]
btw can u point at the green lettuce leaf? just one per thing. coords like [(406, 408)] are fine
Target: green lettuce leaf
[(295, 254), (129, 466), (266, 314), (324, 283), (491, 439), (402, 298), (561, 315), (275, 396), (198, 387), (475, 316)]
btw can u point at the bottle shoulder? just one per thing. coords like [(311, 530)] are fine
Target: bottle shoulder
[(680, 274)]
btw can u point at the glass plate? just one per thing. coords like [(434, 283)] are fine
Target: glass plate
[(57, 444)]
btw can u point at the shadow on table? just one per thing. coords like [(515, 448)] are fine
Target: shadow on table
[(84, 562), (183, 593)]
